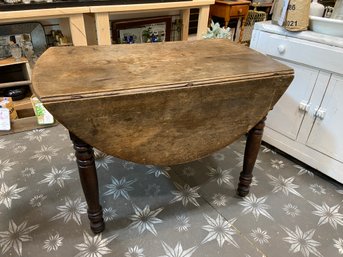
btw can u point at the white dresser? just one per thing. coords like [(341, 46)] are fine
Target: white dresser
[(307, 122)]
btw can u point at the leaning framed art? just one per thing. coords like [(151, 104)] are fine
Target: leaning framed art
[(145, 30)]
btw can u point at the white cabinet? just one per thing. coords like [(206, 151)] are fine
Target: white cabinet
[(327, 130), (307, 122)]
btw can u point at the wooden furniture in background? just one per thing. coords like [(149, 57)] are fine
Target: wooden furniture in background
[(97, 18), (228, 10), (264, 7), (71, 20), (163, 103), (102, 16)]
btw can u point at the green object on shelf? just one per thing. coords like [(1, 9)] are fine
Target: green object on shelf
[(42, 114)]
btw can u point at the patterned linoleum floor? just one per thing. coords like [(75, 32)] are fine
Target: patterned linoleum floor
[(182, 211)]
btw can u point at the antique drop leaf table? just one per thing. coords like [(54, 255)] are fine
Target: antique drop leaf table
[(161, 103)]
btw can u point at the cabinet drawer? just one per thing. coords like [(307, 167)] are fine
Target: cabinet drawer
[(239, 10), (301, 51)]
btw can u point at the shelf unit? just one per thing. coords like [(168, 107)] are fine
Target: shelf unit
[(102, 16), (71, 20), (21, 76), (90, 25)]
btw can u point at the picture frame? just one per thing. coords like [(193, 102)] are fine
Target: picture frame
[(144, 30)]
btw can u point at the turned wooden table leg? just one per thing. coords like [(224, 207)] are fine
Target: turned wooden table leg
[(89, 181), (251, 150)]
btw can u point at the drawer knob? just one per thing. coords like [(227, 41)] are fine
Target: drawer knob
[(281, 49)]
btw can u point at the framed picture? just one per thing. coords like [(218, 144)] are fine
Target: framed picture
[(145, 30)]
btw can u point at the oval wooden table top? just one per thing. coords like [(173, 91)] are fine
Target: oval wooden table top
[(160, 103)]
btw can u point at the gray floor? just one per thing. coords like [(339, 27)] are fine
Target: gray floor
[(182, 211)]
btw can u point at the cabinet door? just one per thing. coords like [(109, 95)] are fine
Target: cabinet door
[(326, 134), (287, 116)]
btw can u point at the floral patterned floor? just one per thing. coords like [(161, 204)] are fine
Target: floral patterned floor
[(182, 211)]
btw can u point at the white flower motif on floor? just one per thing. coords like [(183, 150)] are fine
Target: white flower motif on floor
[(302, 241), (240, 159), (71, 210), (57, 176), (19, 149), (328, 214), (6, 166), (37, 134), (188, 171), (277, 164), (303, 171), (284, 185), (220, 230), (185, 194), (4, 143), (120, 188), (7, 194), (291, 210), (218, 156), (145, 219), (63, 136), (45, 153), (254, 181), (177, 251), (318, 189), (128, 165), (109, 214), (37, 200), (158, 171), (267, 149), (219, 200), (256, 206), (28, 172), (94, 246), (182, 223), (53, 242), (102, 159), (71, 157), (15, 236), (134, 252), (339, 245), (220, 176), (260, 236)]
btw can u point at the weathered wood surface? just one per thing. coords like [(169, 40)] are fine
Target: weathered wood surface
[(164, 103)]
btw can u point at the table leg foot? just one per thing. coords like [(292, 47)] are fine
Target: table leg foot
[(251, 150), (97, 223), (89, 181)]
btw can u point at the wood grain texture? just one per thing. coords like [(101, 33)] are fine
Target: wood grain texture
[(204, 13), (162, 104), (78, 30), (185, 14), (150, 7), (102, 22)]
